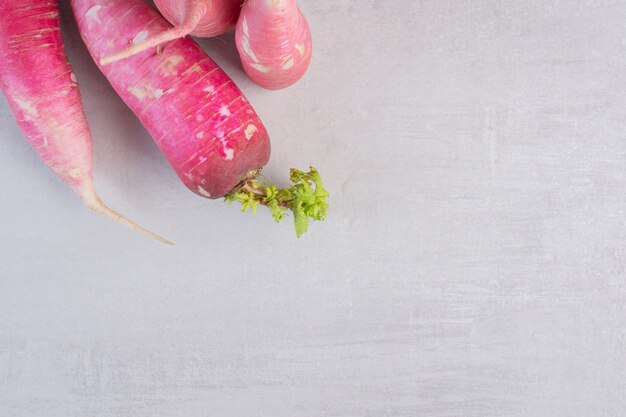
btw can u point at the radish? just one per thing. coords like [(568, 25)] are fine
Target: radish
[(41, 89), (203, 124), (204, 18), (274, 42)]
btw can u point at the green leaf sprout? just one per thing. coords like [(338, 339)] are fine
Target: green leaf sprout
[(306, 198)]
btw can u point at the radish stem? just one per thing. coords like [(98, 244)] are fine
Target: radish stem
[(180, 31)]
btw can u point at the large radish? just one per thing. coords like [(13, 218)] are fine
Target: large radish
[(274, 42), (41, 89), (198, 117), (203, 18)]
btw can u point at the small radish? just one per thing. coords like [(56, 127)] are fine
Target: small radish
[(205, 127), (41, 90), (203, 18), (274, 42)]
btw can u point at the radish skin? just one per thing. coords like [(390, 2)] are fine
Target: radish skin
[(274, 42), (203, 18), (40, 87), (198, 117), (215, 16)]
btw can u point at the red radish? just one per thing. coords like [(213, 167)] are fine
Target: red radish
[(204, 18), (200, 120), (41, 90), (274, 42)]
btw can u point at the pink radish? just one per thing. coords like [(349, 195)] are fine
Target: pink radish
[(274, 42), (196, 114), (41, 90), (198, 117), (204, 18)]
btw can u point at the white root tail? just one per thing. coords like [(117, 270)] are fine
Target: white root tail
[(191, 20), (95, 204)]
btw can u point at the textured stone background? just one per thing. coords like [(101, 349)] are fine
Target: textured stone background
[(473, 264)]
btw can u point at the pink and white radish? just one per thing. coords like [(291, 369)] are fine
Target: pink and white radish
[(41, 89), (198, 117), (274, 42), (203, 18)]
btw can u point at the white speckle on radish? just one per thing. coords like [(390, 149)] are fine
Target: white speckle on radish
[(142, 91), (176, 59), (203, 191), (75, 173), (27, 107), (209, 89), (200, 135), (300, 48), (229, 153), (260, 67), (250, 130), (140, 37), (169, 66), (224, 111), (93, 13), (288, 64), (73, 76), (138, 92)]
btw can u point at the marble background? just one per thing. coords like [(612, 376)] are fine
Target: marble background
[(473, 263)]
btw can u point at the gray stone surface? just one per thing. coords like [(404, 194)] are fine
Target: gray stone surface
[(472, 264)]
